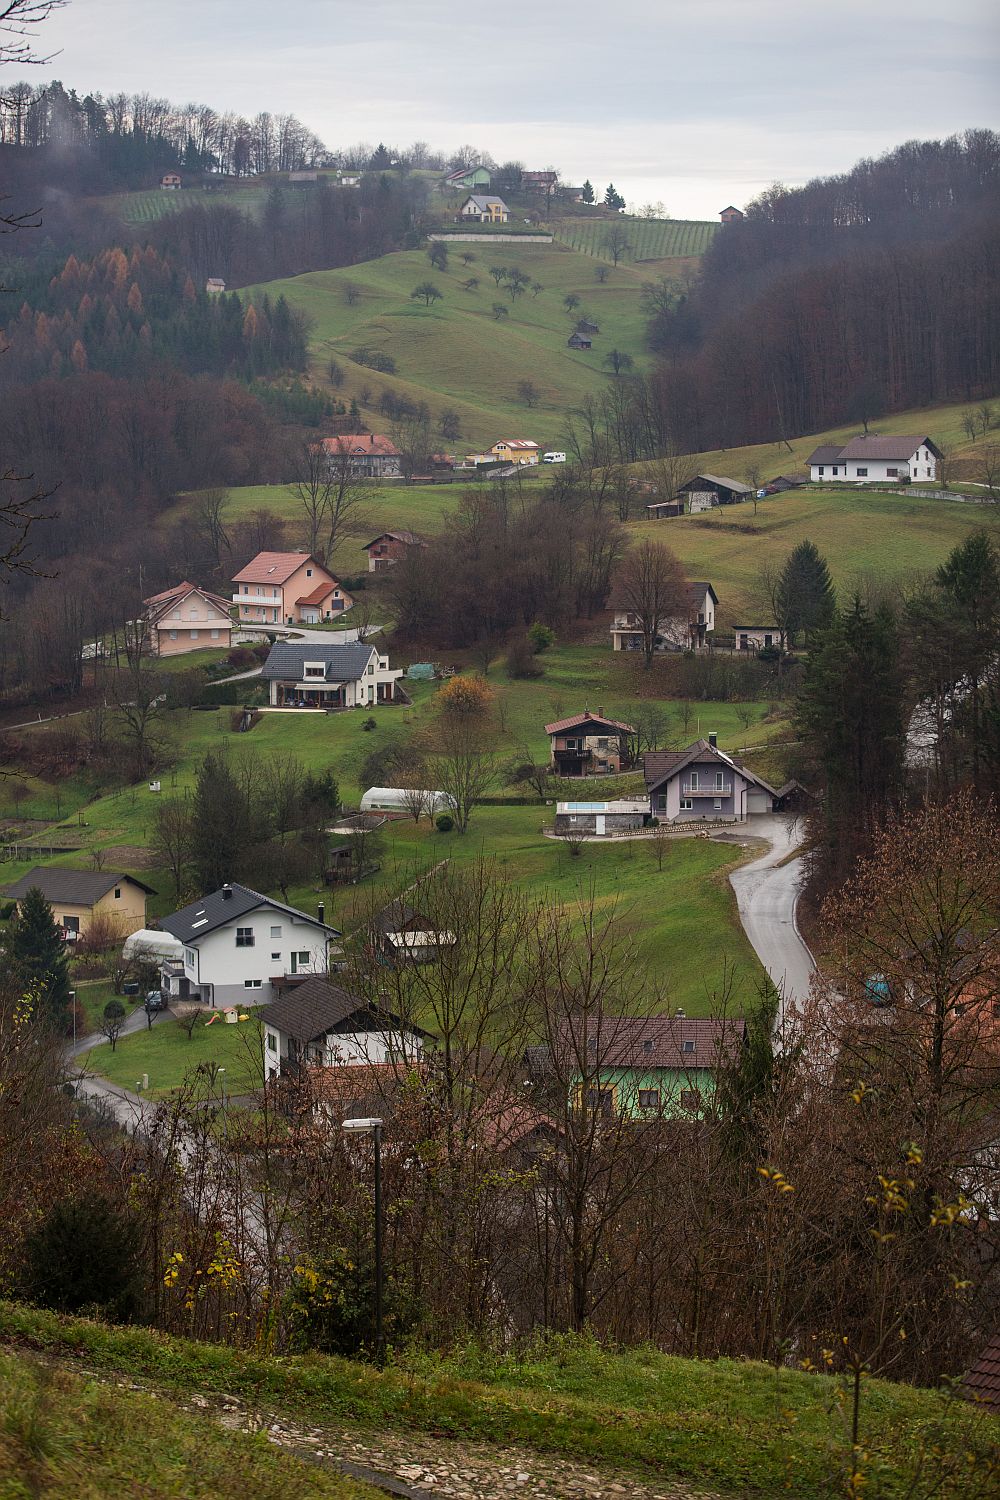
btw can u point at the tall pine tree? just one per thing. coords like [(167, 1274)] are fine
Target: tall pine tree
[(805, 597), (36, 955)]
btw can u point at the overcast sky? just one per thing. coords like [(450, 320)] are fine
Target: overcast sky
[(698, 103)]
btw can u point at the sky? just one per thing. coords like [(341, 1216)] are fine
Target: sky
[(692, 103)]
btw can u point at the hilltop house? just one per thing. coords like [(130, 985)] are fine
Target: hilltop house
[(287, 588), (866, 459), (638, 1066), (730, 215), (312, 674), (589, 745), (539, 182), (366, 455), (236, 943), (215, 286), (389, 547), (318, 1024), (171, 181), (187, 618), (486, 208), (688, 632), (702, 784), (507, 451), (82, 898), (469, 179)]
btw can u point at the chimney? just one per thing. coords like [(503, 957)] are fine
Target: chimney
[(713, 739), (227, 892), (321, 912), (600, 710), (371, 438), (681, 1016)]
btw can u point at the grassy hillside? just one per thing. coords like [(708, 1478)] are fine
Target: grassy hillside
[(650, 239), (454, 353), (732, 1428)]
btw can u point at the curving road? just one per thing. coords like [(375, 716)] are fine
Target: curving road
[(766, 892)]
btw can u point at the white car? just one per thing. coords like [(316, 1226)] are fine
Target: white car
[(553, 458)]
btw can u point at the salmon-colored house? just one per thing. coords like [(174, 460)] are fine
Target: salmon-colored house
[(288, 588), (187, 618)]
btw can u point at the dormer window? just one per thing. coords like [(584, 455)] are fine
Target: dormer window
[(313, 669), (687, 1046)]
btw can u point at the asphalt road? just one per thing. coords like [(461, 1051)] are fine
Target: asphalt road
[(766, 893)]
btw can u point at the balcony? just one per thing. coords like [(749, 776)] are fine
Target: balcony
[(725, 790), (270, 600)]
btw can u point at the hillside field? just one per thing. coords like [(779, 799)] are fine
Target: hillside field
[(455, 354), (648, 239)]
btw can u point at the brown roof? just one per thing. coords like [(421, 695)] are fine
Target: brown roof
[(826, 453), (320, 592), (659, 765), (408, 538), (318, 1006), (561, 724), (360, 443), (158, 604), (648, 1041), (982, 1384), (718, 480), (899, 445), (272, 567)]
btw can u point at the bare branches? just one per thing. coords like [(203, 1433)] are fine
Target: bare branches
[(18, 513)]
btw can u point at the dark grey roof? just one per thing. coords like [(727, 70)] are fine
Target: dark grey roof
[(397, 917), (717, 481), (287, 659), (826, 453), (215, 910), (74, 887), (312, 1009), (662, 765)]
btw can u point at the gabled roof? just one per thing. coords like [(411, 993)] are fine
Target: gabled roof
[(662, 765), (896, 445), (408, 538), (646, 1042), (312, 1009), (273, 567), (484, 201), (158, 604), (320, 592), (215, 910), (562, 724), (697, 592), (343, 663), (826, 453), (516, 443), (360, 444), (736, 485), (72, 887)]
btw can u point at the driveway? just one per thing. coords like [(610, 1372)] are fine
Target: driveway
[(766, 893)]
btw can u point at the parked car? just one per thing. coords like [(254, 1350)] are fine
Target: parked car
[(156, 1000)]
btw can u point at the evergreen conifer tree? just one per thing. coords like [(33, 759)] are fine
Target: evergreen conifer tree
[(220, 823), (805, 596), (588, 191), (37, 956)]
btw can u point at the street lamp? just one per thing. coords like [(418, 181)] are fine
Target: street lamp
[(373, 1127), (220, 1075)]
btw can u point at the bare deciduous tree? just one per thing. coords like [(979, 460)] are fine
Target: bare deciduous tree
[(650, 584)]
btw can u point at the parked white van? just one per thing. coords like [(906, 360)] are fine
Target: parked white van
[(553, 458)]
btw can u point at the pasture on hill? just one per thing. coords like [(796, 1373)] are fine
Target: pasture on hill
[(455, 353)]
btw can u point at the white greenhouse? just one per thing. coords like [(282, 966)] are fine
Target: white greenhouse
[(401, 799)]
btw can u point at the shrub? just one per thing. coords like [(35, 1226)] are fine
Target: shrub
[(465, 697), (541, 636), (83, 1254), (374, 359), (242, 658), (522, 660), (368, 724), (444, 822)]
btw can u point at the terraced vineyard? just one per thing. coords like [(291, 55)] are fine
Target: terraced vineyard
[(650, 239), (146, 207)]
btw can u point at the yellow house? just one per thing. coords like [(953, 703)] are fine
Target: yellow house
[(79, 898), (485, 208), (515, 451)]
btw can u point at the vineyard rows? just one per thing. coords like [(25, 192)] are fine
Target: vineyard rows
[(147, 207), (650, 239)]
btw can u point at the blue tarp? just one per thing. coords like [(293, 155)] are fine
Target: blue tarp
[(421, 671)]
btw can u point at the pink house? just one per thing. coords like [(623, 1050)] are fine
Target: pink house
[(288, 588), (187, 618)]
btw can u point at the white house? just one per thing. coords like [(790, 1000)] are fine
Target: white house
[(865, 460), (236, 942), (486, 208), (703, 784), (682, 632), (756, 637), (312, 674), (319, 1025)]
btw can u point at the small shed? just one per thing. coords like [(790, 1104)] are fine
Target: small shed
[(662, 510), (725, 491), (579, 341), (171, 181), (587, 325), (215, 285)]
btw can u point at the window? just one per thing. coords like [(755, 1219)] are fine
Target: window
[(246, 588), (649, 1098), (118, 893), (648, 1044), (371, 671), (173, 635), (820, 469), (602, 744), (689, 1099), (244, 937), (862, 473), (694, 781), (687, 1046), (215, 635), (252, 984), (687, 805), (719, 782), (189, 957), (834, 471), (275, 932), (193, 634), (892, 473), (272, 1042), (309, 572), (601, 1101), (313, 669), (717, 804), (71, 924), (661, 802), (768, 640), (276, 957)]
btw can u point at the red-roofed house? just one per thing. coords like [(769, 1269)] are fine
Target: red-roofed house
[(388, 548), (589, 745), (730, 214), (187, 618), (287, 588), (364, 453)]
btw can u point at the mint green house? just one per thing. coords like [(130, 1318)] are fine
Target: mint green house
[(468, 180), (644, 1066)]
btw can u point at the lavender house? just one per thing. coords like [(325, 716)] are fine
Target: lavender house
[(703, 784)]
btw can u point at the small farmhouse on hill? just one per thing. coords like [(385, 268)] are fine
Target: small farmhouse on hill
[(171, 181), (486, 208), (215, 286), (589, 745), (865, 459), (470, 179), (703, 784), (389, 547), (730, 215), (707, 490), (579, 341)]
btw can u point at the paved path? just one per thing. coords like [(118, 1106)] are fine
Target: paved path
[(766, 892)]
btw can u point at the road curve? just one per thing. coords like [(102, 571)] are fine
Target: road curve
[(766, 893)]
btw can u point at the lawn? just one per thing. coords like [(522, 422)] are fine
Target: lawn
[(454, 353), (167, 1055), (732, 1427)]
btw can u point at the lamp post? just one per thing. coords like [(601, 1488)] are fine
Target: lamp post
[(373, 1127)]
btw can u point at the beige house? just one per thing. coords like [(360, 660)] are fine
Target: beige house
[(79, 898), (589, 745), (287, 588), (507, 451), (187, 618)]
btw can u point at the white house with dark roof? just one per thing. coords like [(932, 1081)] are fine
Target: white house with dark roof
[(319, 1025), (682, 632), (865, 460), (703, 784), (237, 942), (313, 674)]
